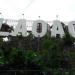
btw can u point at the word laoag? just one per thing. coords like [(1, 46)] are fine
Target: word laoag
[(39, 28)]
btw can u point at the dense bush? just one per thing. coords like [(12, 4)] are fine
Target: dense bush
[(54, 57)]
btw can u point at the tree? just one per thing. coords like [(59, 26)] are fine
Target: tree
[(68, 40)]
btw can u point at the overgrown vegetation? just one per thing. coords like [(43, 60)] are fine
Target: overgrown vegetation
[(56, 56)]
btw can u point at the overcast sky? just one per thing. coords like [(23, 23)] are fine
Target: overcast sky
[(47, 9)]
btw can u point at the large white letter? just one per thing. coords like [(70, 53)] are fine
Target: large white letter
[(39, 28), (1, 21), (71, 28), (57, 29), (20, 28)]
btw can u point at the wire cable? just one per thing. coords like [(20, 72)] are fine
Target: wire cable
[(28, 5)]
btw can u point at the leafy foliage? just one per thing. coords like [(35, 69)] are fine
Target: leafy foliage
[(53, 58)]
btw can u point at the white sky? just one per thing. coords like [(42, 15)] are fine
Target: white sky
[(47, 9)]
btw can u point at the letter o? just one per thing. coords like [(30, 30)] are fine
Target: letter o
[(42, 28)]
